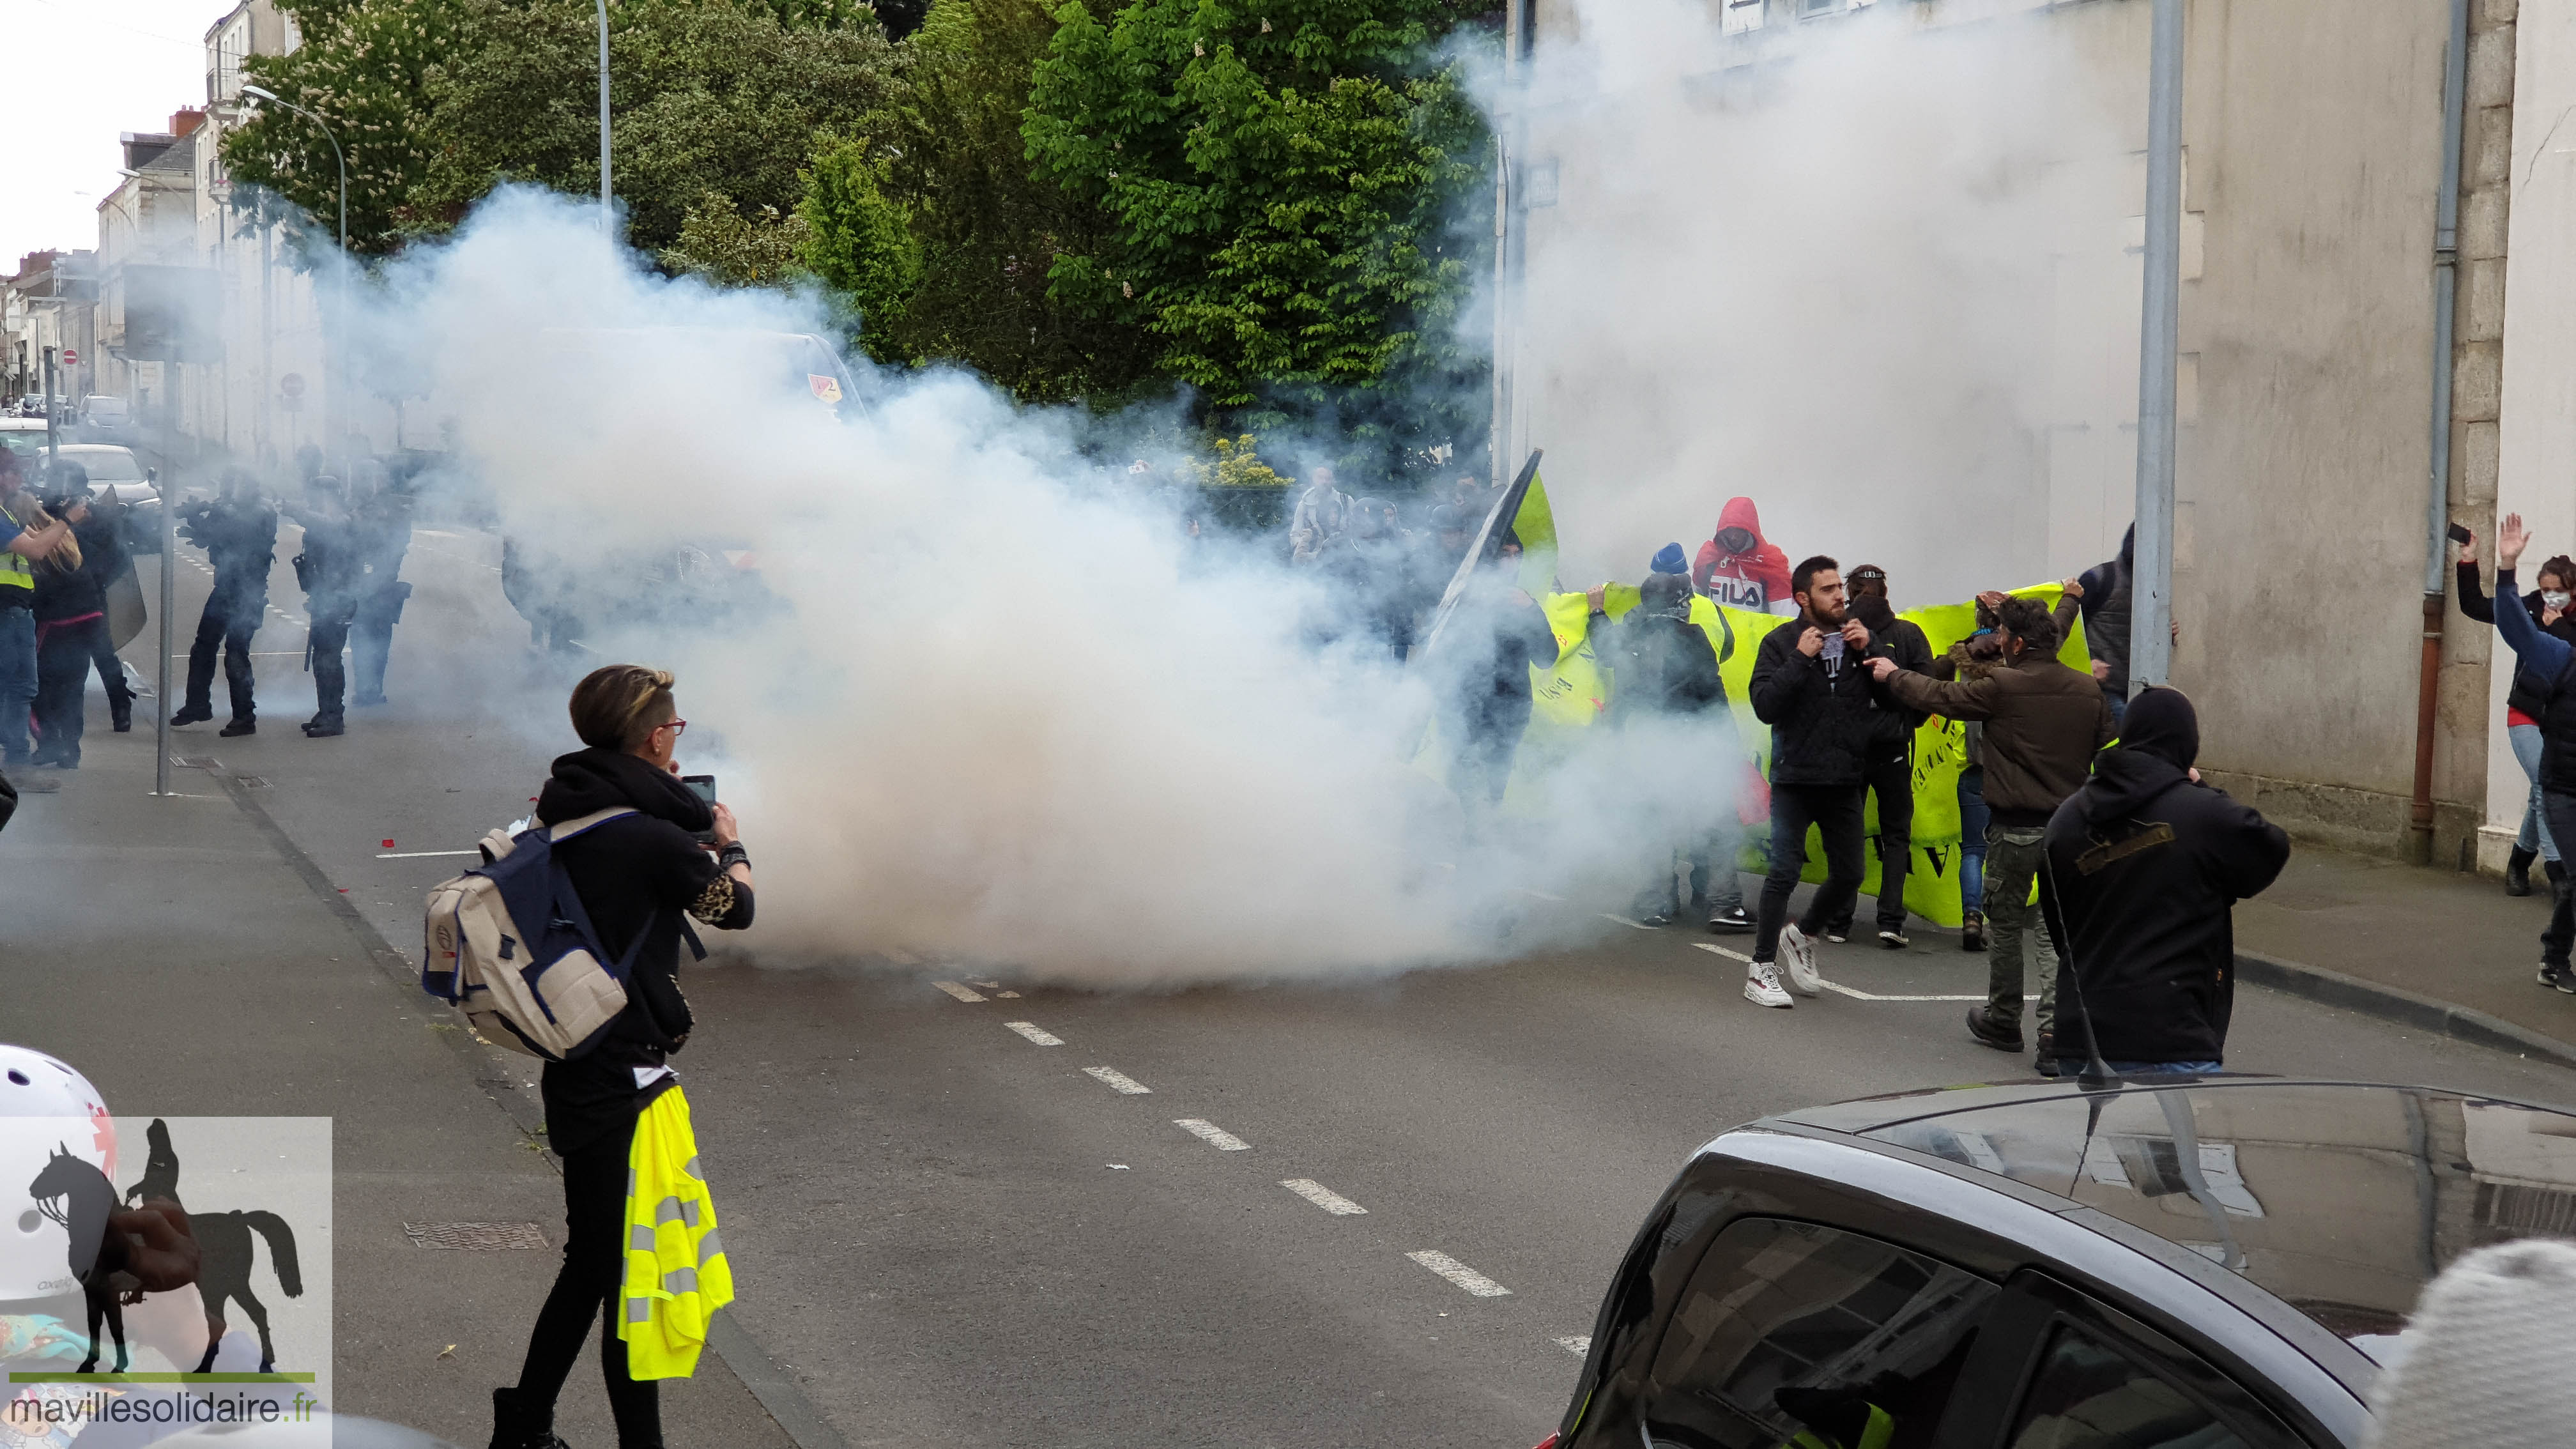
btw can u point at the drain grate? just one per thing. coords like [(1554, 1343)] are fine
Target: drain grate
[(475, 1237), (256, 782)]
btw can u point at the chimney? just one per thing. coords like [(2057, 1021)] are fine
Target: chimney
[(184, 121)]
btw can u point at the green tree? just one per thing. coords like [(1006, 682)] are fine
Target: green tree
[(718, 241), (708, 98), (986, 229), (360, 69), (860, 242), (1280, 180)]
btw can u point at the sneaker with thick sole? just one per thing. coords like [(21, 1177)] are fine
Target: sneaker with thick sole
[(2550, 975), (1798, 954), (1986, 1033), (1730, 920), (1762, 986), (1838, 934), (1894, 940)]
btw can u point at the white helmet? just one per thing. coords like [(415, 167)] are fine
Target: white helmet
[(46, 1109)]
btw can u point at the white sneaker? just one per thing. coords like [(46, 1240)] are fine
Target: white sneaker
[(1762, 986), (1800, 955)]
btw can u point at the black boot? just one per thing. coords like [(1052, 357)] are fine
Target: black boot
[(120, 717), (516, 1426), (193, 714), (243, 725), (324, 726), (2517, 871)]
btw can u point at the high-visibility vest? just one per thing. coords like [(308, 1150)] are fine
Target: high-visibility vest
[(676, 1274), (14, 570)]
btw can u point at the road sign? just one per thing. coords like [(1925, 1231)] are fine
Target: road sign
[(291, 385), (71, 358)]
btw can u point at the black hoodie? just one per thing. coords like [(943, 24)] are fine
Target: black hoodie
[(2144, 869), (636, 874)]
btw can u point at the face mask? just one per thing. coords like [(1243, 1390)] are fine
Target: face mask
[(2554, 599)]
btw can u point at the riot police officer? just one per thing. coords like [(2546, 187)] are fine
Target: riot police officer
[(238, 531), (329, 570), (383, 520)]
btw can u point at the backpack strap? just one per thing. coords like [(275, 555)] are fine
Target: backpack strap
[(689, 933), (558, 834)]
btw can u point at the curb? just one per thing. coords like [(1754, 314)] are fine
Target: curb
[(770, 1387), (2405, 1008)]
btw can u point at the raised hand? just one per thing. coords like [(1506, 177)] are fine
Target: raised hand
[(2511, 539)]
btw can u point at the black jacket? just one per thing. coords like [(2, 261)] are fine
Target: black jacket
[(1823, 720), (2526, 694), (2146, 868), (1892, 729), (1660, 666), (70, 593), (240, 540), (634, 875), (2106, 614), (1487, 648)]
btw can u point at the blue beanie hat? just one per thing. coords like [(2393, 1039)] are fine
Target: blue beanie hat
[(1669, 560)]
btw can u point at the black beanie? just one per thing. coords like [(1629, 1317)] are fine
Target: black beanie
[(2162, 723)]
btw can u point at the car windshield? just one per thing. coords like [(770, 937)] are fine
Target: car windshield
[(2341, 1200), (26, 442), (111, 467)]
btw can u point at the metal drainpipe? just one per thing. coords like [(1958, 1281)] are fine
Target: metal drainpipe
[(2446, 279)]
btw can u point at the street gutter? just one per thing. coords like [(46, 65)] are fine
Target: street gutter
[(2402, 1007)]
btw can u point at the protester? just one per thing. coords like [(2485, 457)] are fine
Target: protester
[(2106, 620), (1481, 669), (635, 877), (383, 521), (1664, 669), (239, 534), (1738, 567), (2043, 724), (1811, 684), (2549, 605), (2549, 662), (1670, 560), (1323, 514), (1974, 658), (2145, 867), (27, 537), (108, 561), (330, 570), (1887, 771), (1375, 579), (71, 612)]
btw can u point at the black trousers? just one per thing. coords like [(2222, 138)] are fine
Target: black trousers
[(1833, 809), (62, 677), (326, 639), (1892, 781), (2560, 808), (586, 1289), (226, 627), (1489, 735), (111, 676)]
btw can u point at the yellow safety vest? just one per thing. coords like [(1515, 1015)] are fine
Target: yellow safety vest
[(676, 1274), (14, 569)]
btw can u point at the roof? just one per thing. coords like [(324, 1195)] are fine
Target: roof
[(2342, 1199)]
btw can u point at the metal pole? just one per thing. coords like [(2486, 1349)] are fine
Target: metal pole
[(51, 457), (161, 676), (2151, 583), (607, 211)]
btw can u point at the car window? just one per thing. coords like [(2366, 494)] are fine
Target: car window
[(25, 444), (107, 467), (1793, 1327), (2088, 1395)]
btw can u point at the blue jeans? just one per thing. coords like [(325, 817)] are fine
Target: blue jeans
[(1973, 819), (17, 682), (2535, 821)]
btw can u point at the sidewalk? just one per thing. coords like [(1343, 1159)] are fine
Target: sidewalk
[(190, 961), (2435, 949)]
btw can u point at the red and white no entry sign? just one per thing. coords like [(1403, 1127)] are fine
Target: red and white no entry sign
[(71, 357)]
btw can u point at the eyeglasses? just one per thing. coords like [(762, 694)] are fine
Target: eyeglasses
[(677, 727)]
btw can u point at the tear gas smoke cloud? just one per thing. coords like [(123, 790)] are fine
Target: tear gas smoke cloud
[(1868, 279)]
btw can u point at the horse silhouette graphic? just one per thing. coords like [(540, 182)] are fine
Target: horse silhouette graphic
[(226, 1251), (79, 1197)]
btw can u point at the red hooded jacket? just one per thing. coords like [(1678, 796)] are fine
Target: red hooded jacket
[(1755, 579)]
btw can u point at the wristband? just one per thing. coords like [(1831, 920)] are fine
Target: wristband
[(731, 856)]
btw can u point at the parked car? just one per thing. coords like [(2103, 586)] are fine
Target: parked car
[(2220, 1263), (24, 437), (106, 418), (115, 475)]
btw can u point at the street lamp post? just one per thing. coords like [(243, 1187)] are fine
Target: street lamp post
[(338, 414), (607, 210)]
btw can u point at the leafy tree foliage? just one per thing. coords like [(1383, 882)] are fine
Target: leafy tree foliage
[(718, 241), (860, 241), (1279, 179)]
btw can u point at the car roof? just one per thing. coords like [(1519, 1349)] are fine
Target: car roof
[(2341, 1199), (94, 448)]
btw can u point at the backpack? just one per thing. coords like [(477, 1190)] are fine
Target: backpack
[(548, 990)]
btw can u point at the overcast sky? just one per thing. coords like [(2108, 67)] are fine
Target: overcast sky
[(80, 72)]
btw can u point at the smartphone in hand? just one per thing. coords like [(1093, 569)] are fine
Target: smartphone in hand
[(705, 786)]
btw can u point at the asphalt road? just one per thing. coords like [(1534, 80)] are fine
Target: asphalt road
[(992, 1221)]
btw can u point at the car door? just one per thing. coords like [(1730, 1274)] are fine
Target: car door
[(2058, 1368), (1791, 1328)]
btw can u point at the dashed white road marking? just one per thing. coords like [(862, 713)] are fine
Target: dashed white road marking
[(1035, 1033), (1460, 1274), (960, 992), (1578, 1345), (423, 854), (999, 990), (1118, 1081), (1211, 1134), (1324, 1197), (1623, 920), (1853, 992)]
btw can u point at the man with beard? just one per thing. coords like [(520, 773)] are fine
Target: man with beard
[(1888, 771), (1665, 671), (1812, 686), (2145, 867), (2043, 723)]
